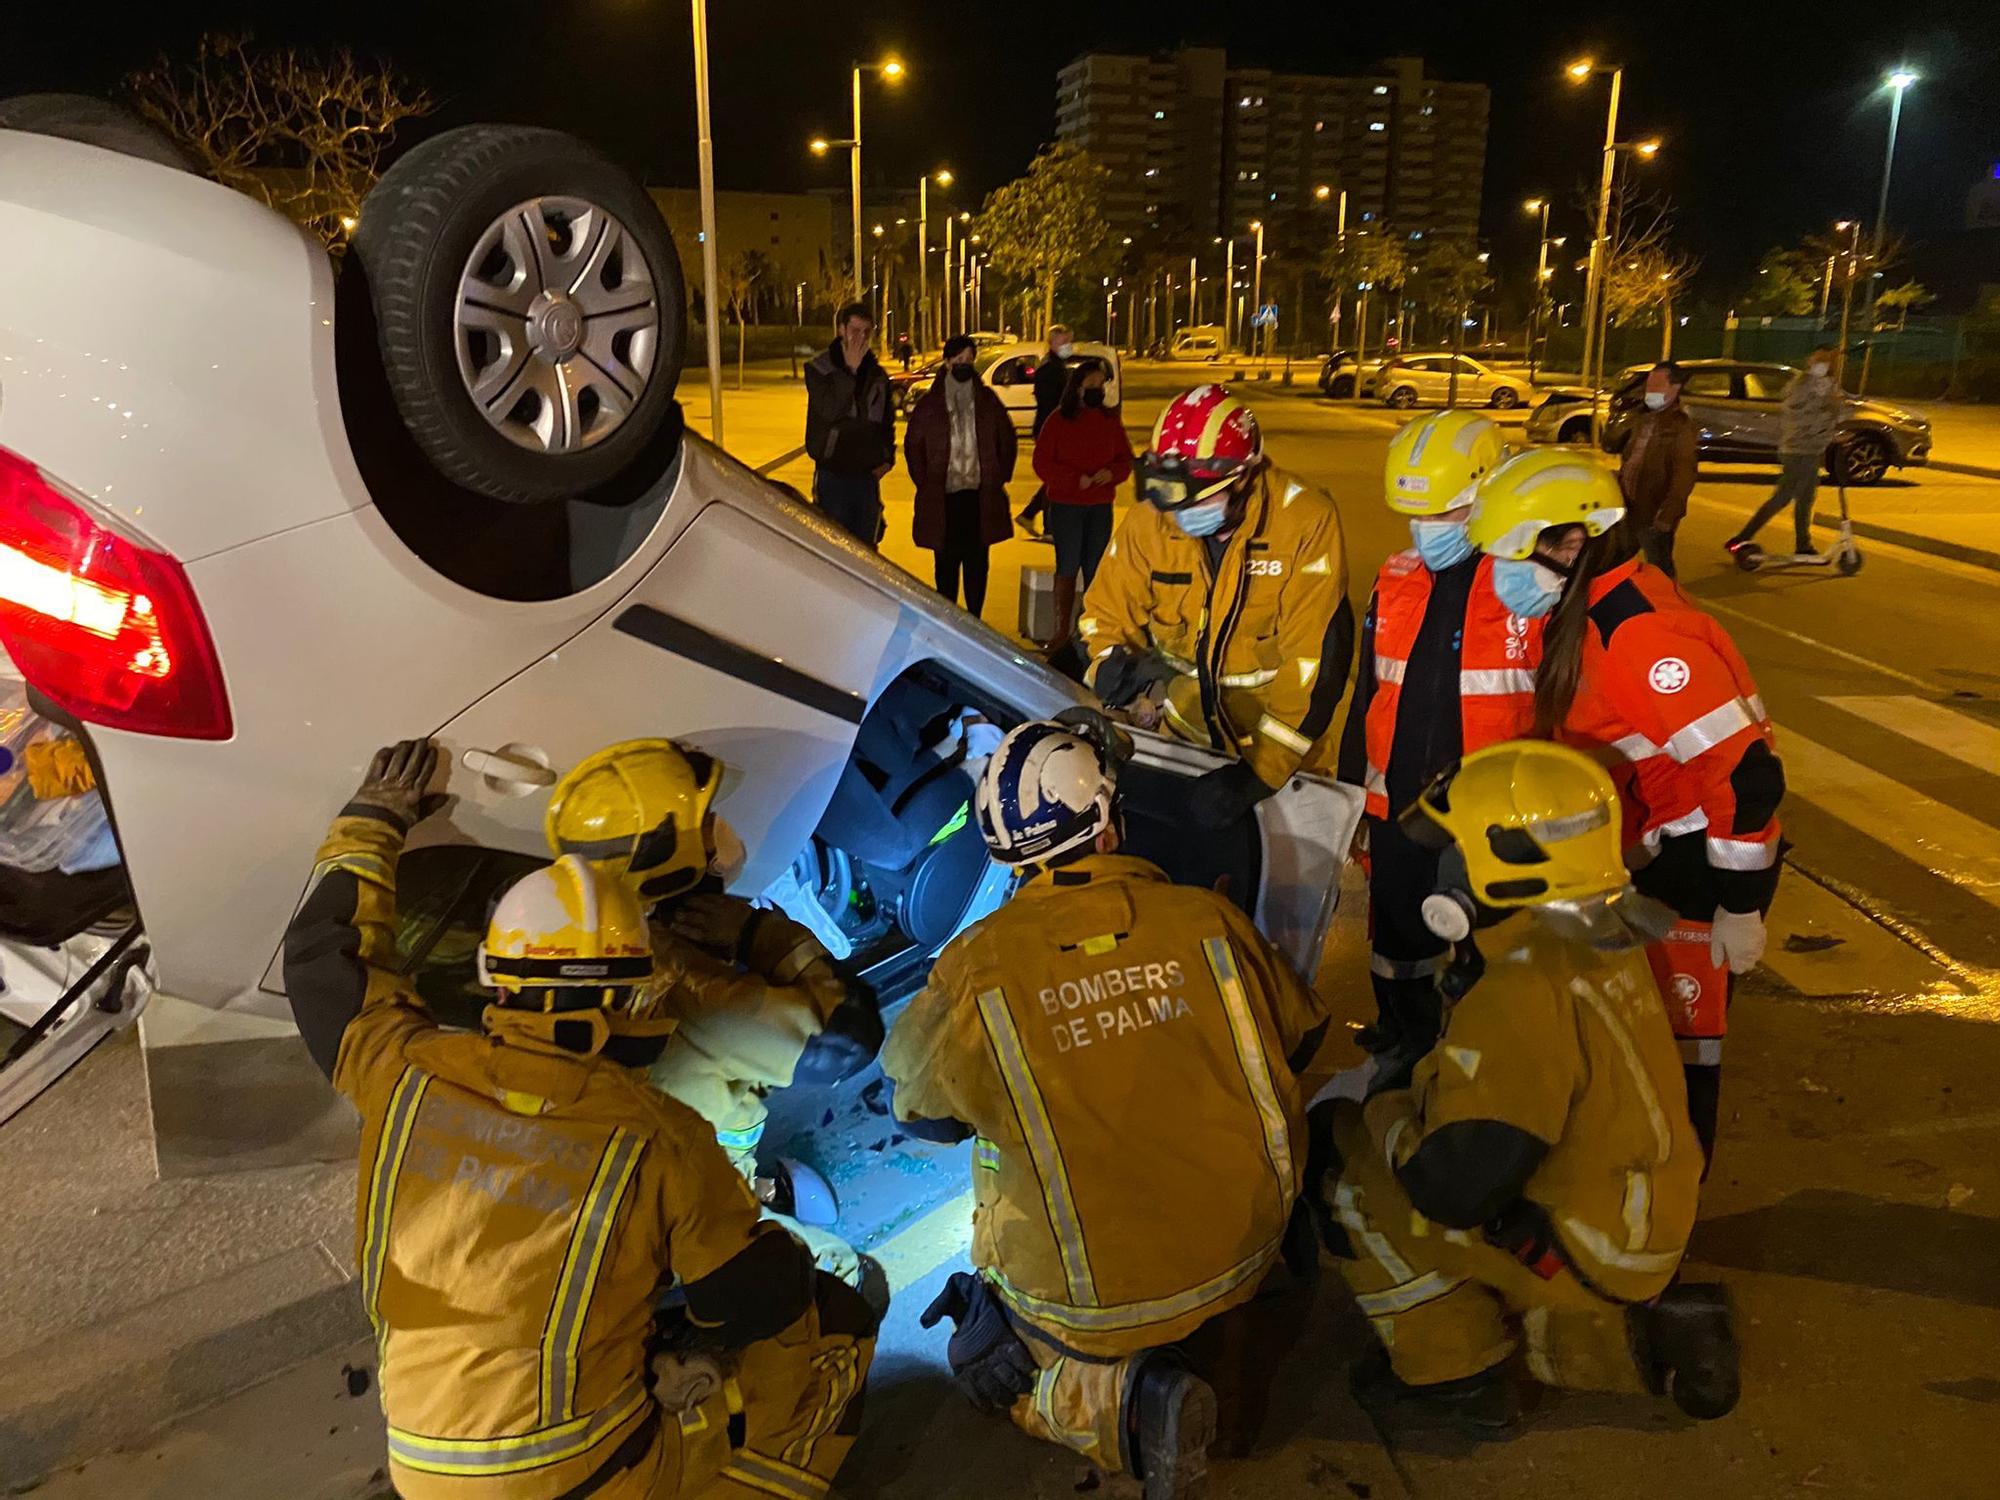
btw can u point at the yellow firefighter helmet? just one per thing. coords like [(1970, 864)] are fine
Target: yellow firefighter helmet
[(641, 806)]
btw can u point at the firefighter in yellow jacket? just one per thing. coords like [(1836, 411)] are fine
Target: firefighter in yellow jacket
[(525, 1197), (1540, 1171), (1227, 593), (758, 1003), (1122, 1051)]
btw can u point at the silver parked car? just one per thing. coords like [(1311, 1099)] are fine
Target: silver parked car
[(1425, 379), (1736, 405)]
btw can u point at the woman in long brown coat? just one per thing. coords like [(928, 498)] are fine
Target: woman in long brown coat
[(960, 450)]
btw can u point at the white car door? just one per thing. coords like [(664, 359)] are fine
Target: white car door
[(1013, 381), (740, 641)]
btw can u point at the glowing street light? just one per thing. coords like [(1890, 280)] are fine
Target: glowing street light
[(1322, 192), (1648, 148), (1896, 83), (1582, 71), (891, 70), (943, 178)]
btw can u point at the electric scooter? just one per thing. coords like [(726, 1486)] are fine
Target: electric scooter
[(1843, 554)]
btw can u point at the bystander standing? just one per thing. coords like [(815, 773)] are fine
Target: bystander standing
[(960, 449), (1808, 422), (850, 426), (1657, 471)]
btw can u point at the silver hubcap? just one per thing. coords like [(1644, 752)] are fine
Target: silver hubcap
[(557, 324)]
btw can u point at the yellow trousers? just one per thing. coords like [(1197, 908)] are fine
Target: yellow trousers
[(1077, 1404), (781, 1426), (1446, 1304)]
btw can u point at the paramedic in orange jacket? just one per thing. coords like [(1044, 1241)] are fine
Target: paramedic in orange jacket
[(1447, 668), (525, 1198), (1220, 610), (1634, 672)]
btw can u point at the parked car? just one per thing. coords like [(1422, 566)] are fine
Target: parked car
[(1010, 370), (1197, 344), (1425, 379), (458, 499), (1735, 404), (1337, 372), (920, 374)]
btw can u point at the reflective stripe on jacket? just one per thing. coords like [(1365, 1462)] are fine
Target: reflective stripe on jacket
[(1262, 643), (1666, 701), (1498, 653), (519, 1205), (1119, 1044)]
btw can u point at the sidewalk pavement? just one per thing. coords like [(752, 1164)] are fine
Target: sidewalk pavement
[(1965, 438)]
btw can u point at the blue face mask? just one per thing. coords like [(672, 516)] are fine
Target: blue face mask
[(1441, 544), (1203, 518), (1527, 587)]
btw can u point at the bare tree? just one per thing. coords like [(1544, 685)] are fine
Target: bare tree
[(1645, 272), (298, 131), (740, 275)]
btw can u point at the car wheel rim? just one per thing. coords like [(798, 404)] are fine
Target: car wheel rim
[(1866, 464), (557, 324)]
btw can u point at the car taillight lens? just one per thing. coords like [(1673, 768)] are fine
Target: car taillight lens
[(97, 621)]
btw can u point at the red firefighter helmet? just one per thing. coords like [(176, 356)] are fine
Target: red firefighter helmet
[(1205, 440)]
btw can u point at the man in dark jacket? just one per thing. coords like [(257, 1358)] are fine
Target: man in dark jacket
[(1051, 378), (1657, 472), (850, 426)]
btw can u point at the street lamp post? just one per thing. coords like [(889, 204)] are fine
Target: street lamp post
[(892, 71), (945, 319), (1853, 226), (1257, 282), (1541, 206), (943, 178), (1228, 289), (1896, 83), (705, 151), (1582, 71)]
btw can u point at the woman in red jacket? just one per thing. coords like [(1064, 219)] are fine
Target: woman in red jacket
[(1635, 673), (1081, 457), (960, 448)]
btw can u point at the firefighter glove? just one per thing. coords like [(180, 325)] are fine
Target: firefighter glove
[(395, 787), (1220, 797), (1124, 675), (713, 921), (1736, 938), (989, 1363)]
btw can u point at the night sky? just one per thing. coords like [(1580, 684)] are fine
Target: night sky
[(1770, 110)]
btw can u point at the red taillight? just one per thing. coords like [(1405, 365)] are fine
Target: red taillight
[(98, 622)]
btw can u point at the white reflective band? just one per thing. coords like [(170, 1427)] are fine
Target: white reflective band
[(1556, 830), (1597, 1245), (1284, 734), (1138, 1314), (1535, 1327), (1756, 703), (1249, 679), (760, 1471), (397, 1125), (512, 1455), (1389, 668), (1480, 682), (562, 1335), (1376, 780), (1347, 1209), (1628, 1053), (1255, 1065), (1406, 968), (1400, 1299), (1638, 1208), (1673, 828), (1710, 730), (1702, 1051), (1043, 1152), (1319, 567), (1635, 747), (1308, 667), (1389, 1138), (1741, 854)]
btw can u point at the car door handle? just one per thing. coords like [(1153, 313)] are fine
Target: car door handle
[(518, 769)]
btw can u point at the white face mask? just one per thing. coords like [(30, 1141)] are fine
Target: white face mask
[(1655, 400), (1819, 367)]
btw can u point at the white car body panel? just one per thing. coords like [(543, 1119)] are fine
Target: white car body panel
[(186, 382)]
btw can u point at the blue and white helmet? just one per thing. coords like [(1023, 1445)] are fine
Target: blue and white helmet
[(1046, 791)]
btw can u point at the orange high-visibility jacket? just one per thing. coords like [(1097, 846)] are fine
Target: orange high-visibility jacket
[(1261, 644), (1666, 701), (1498, 653)]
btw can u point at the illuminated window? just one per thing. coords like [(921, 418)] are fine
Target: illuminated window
[(1321, 125), (1244, 102), (1159, 114), (1381, 88), (1377, 125)]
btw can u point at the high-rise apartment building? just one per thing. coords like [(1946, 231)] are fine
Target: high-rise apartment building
[(1194, 143)]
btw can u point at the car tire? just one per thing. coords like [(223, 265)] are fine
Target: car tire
[(1403, 397), (488, 341), (1863, 459), (1506, 398), (1343, 387), (94, 122)]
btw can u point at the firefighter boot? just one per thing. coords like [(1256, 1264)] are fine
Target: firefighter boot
[(1169, 1425), (1685, 1343)]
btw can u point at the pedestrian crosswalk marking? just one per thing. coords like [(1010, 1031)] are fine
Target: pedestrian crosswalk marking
[(1949, 843), (1864, 958), (1960, 736)]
